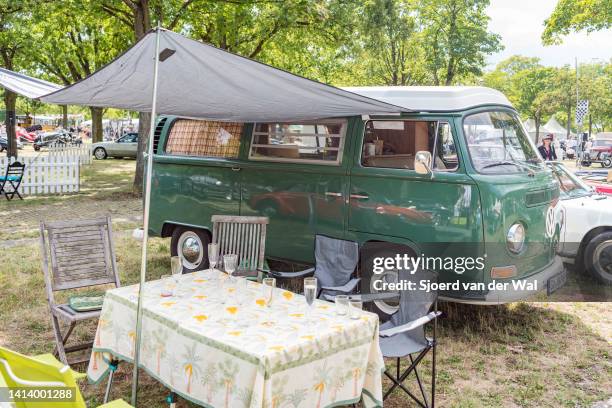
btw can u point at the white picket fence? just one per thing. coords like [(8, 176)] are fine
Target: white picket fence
[(83, 151), (48, 174)]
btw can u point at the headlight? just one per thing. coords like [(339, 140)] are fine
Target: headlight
[(515, 239)]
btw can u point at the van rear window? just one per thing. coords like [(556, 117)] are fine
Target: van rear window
[(204, 138), (319, 142)]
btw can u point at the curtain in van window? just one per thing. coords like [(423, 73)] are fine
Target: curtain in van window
[(204, 138)]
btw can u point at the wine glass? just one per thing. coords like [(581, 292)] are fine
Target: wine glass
[(230, 262), (213, 254), (310, 292)]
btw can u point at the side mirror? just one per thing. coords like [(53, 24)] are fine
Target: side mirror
[(422, 162)]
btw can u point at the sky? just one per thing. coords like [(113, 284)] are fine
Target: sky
[(521, 22)]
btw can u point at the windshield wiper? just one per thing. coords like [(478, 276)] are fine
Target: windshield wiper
[(510, 163)]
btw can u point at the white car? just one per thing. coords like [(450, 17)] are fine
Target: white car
[(586, 234), (126, 146)]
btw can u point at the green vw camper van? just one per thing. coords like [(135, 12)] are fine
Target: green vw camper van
[(458, 176)]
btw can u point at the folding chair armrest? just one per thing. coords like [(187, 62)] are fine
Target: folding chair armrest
[(371, 297), (29, 383), (346, 288), (289, 275), (410, 325)]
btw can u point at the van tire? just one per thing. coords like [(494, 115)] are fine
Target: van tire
[(384, 309), (598, 248), (198, 240)]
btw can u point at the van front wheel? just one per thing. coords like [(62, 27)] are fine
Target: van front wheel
[(191, 245)]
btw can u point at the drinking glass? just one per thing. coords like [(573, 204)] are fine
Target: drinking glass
[(177, 268), (268, 290), (355, 305), (167, 286), (342, 305), (230, 262), (310, 292), (241, 290), (213, 255)]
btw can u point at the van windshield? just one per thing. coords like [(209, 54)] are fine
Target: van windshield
[(497, 143)]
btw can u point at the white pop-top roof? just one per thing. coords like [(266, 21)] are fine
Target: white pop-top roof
[(434, 98)]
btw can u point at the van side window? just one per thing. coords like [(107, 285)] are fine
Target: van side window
[(204, 138), (445, 158), (393, 144), (313, 142)]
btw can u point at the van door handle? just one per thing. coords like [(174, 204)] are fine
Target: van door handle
[(236, 169), (360, 196), (331, 194)]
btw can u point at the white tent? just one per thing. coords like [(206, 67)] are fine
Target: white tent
[(558, 131), (26, 85), (530, 127)]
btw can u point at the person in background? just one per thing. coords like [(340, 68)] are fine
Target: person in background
[(547, 150)]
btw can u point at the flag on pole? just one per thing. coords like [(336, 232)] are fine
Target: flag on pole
[(582, 109)]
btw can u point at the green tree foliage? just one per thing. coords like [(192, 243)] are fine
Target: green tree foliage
[(577, 15), (455, 38), (14, 40), (539, 92), (86, 41), (392, 43)]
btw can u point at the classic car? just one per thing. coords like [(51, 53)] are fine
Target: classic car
[(125, 146)]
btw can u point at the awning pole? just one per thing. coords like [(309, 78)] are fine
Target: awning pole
[(145, 238)]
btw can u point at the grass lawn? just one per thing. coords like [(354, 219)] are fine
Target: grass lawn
[(517, 355)]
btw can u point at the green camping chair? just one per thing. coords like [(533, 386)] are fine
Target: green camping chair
[(19, 371)]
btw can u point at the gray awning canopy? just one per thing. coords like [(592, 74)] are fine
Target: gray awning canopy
[(25, 85), (200, 81)]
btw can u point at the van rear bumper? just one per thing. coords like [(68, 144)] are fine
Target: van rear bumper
[(497, 297)]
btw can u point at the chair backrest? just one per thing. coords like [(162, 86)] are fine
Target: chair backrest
[(16, 170), (77, 254), (336, 260), (241, 235), (414, 303), (23, 372)]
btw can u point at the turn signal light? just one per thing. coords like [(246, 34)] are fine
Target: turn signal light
[(503, 272)]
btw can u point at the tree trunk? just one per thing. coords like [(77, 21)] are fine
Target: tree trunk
[(65, 116), (537, 126), (142, 24), (590, 125), (10, 99), (96, 124), (144, 124)]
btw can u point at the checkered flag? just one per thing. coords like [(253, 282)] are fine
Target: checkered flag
[(582, 109)]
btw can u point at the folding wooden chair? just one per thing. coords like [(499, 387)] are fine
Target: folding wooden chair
[(245, 237), (81, 254), (12, 178)]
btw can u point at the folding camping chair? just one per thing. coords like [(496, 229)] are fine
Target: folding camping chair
[(24, 372), (245, 237), (12, 178), (82, 255), (336, 261), (404, 335)]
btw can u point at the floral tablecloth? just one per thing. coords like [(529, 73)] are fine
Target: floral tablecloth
[(219, 344)]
